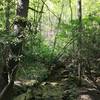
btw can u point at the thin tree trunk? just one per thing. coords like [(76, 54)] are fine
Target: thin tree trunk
[(71, 11), (7, 15), (79, 39), (80, 14)]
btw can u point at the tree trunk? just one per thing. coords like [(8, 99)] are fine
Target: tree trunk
[(7, 15), (79, 39), (71, 10), (80, 14), (15, 49), (3, 70)]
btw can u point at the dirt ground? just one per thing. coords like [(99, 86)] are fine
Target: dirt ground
[(89, 94)]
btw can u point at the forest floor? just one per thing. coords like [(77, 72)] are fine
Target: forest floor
[(58, 87), (55, 91), (89, 94)]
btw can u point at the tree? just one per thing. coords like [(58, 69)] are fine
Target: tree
[(15, 51), (79, 39), (7, 15)]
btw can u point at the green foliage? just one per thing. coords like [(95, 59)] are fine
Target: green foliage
[(36, 71)]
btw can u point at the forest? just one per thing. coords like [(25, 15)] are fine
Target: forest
[(49, 50)]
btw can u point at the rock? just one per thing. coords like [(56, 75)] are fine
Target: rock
[(50, 83), (85, 97), (25, 82)]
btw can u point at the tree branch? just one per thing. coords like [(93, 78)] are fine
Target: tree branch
[(35, 10)]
